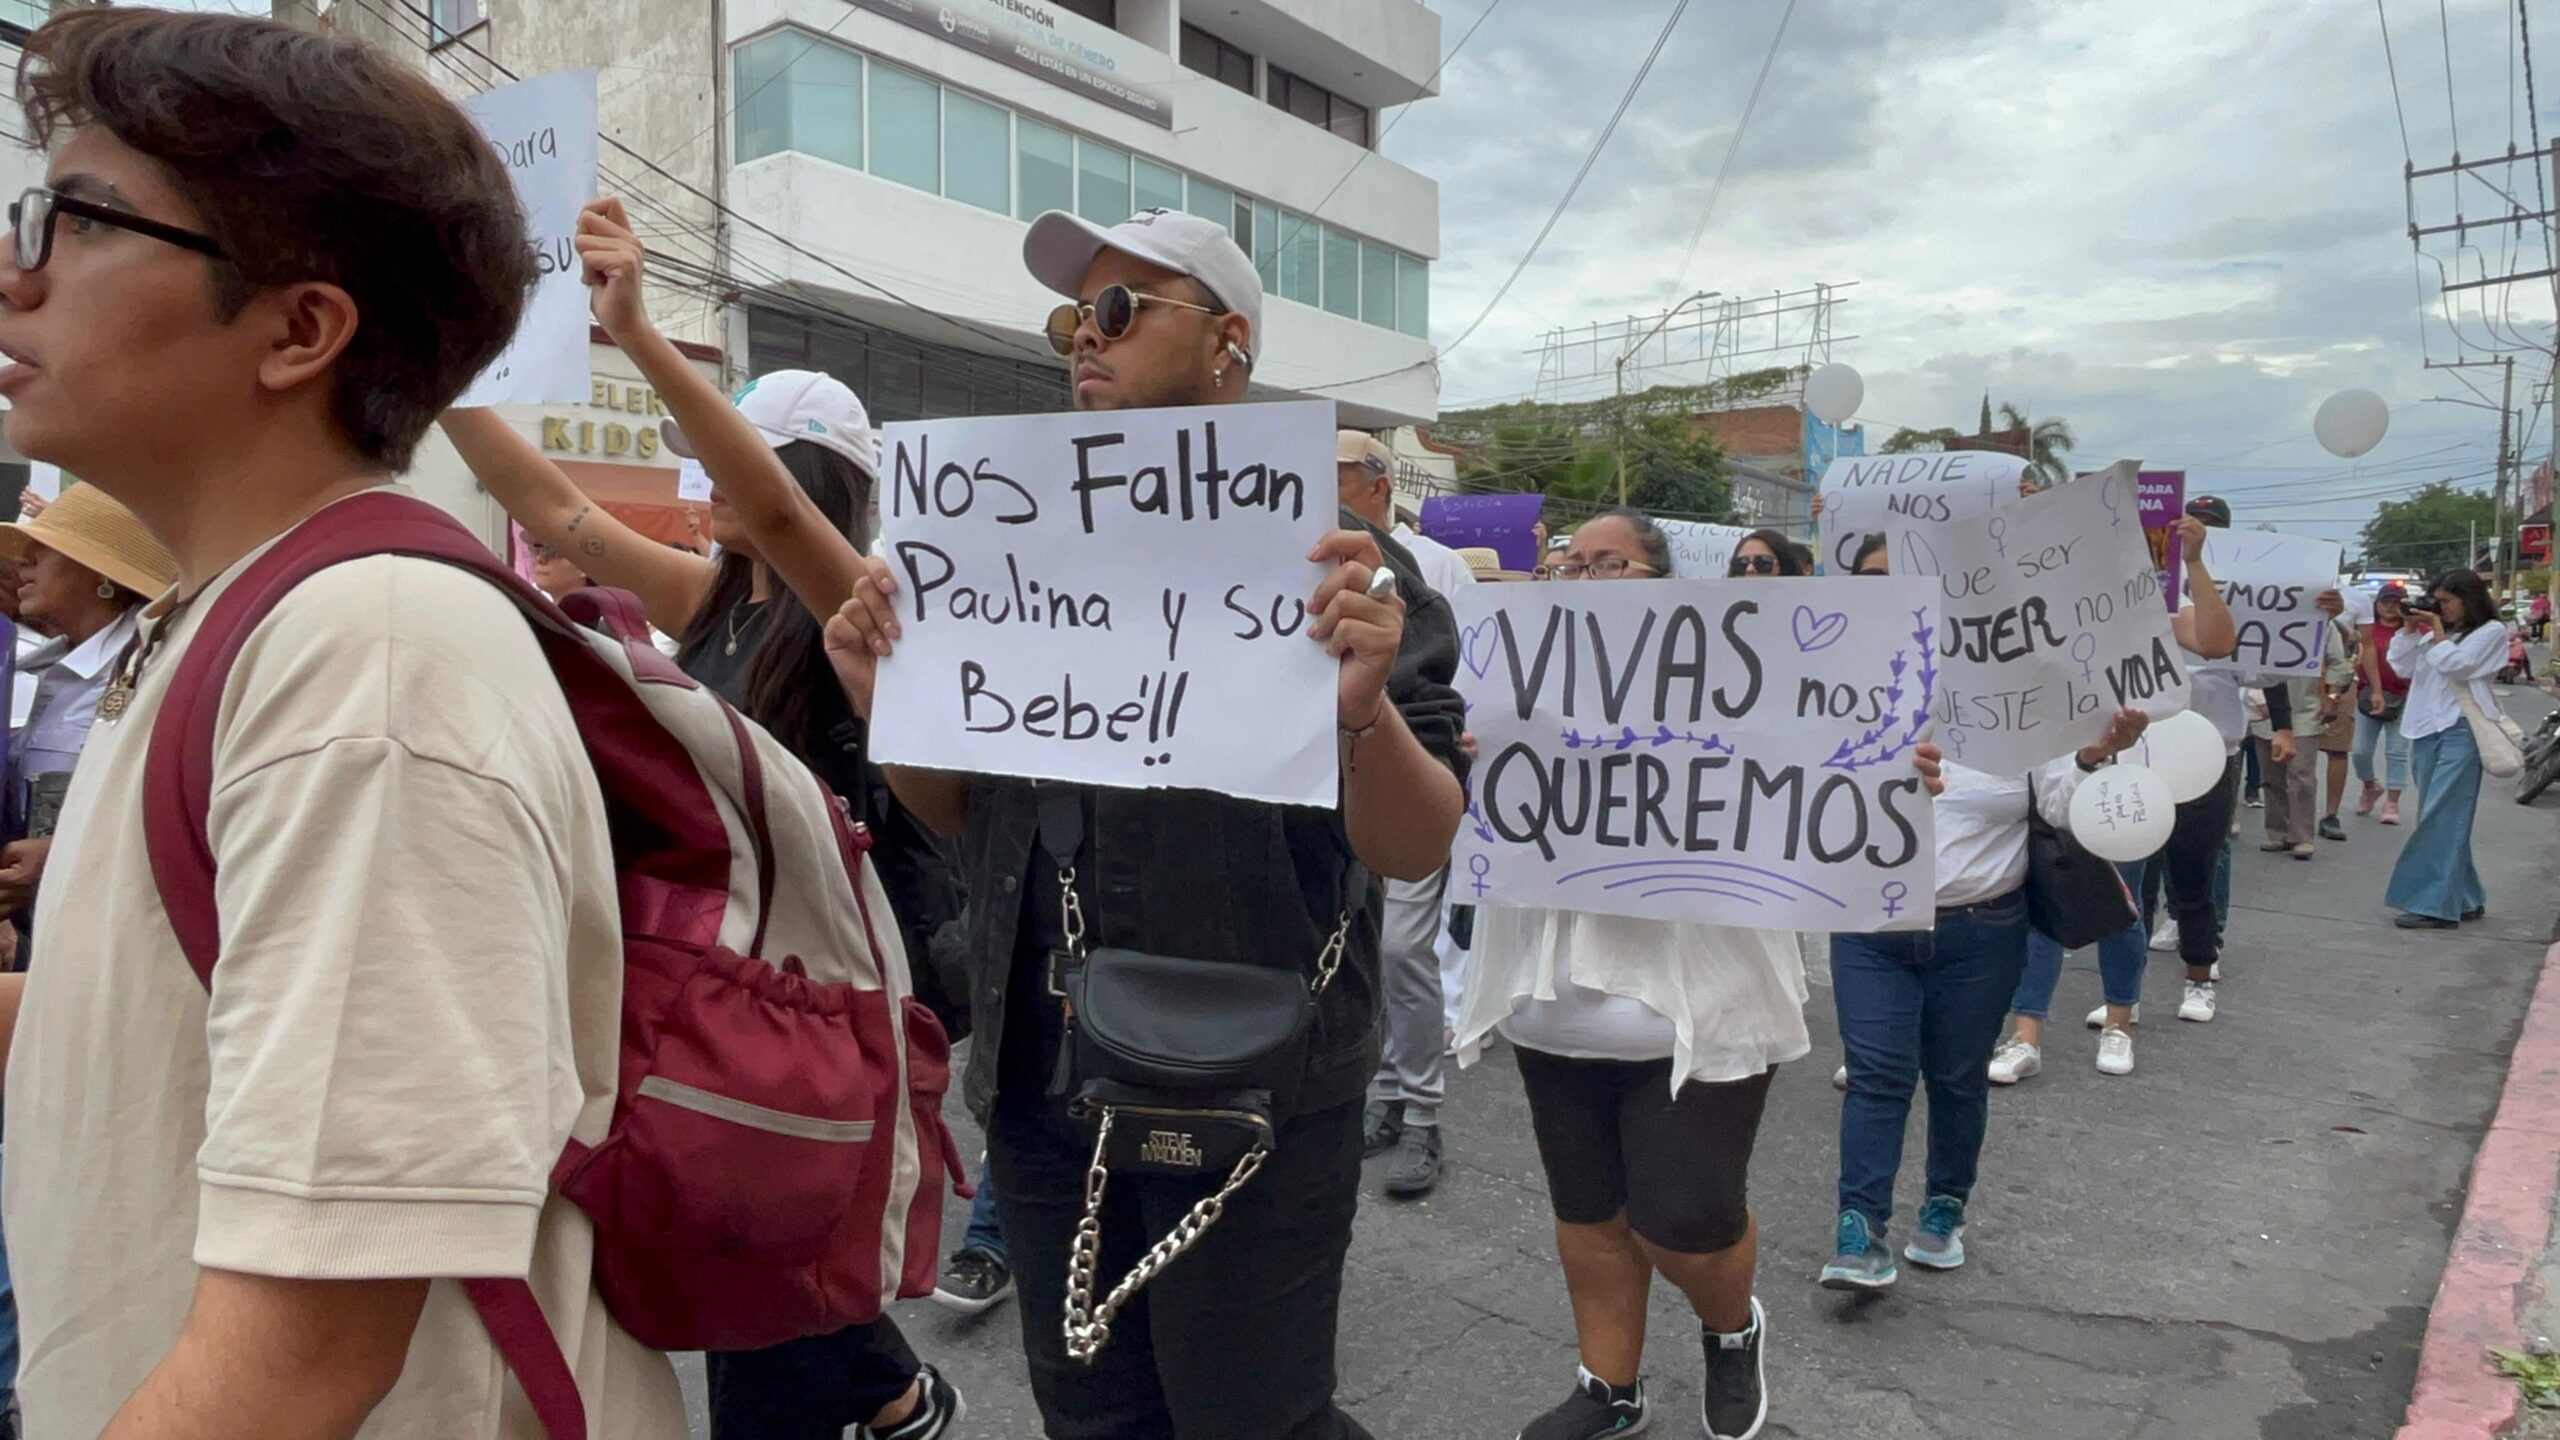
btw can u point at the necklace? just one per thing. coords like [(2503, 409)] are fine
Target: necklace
[(128, 672), (744, 610)]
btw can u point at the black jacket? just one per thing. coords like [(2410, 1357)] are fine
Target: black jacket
[(1204, 875)]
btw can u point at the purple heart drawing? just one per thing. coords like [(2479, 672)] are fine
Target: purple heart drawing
[(1818, 632), (1475, 646)]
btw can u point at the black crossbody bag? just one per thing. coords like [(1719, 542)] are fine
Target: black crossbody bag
[(1174, 1062), (2074, 897)]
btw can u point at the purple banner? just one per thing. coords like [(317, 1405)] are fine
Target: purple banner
[(1504, 524), (2163, 499)]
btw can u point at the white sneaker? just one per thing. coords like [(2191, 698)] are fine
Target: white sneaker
[(2216, 972), (2016, 1061), (2164, 941), (2198, 1006), (1840, 1079), (2115, 1052), (2098, 1017)]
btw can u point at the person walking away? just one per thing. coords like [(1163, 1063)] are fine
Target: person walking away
[(2378, 713), (1403, 1112), (1647, 1048), (793, 465), (1235, 1339), (248, 1209), (2293, 782), (2337, 697), (1926, 1005), (2449, 649)]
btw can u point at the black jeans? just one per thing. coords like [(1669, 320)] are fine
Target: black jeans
[(811, 1389), (2188, 863), (1234, 1340)]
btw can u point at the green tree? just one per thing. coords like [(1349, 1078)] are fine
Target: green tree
[(1671, 472), (2048, 441), (2429, 532)]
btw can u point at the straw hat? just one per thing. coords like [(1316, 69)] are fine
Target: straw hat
[(89, 528), (1487, 563)]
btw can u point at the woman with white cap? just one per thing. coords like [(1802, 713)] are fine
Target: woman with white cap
[(86, 567), (792, 461)]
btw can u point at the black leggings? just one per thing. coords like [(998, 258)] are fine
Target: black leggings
[(2187, 866), (1612, 1139), (811, 1389)]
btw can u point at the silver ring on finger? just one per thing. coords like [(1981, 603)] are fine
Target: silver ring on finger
[(1382, 583)]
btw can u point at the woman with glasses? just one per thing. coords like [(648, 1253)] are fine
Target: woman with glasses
[(792, 465), (1646, 1048), (1766, 553), (2449, 648), (1927, 1005)]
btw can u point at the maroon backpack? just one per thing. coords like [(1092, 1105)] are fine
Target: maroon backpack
[(776, 1157)]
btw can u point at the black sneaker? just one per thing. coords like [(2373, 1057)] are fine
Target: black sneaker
[(1381, 1125), (1417, 1166), (974, 1281), (1594, 1409), (938, 1412), (1737, 1399), (2331, 829)]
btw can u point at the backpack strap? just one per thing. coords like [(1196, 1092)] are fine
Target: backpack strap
[(178, 794)]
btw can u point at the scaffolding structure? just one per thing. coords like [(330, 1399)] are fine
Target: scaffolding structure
[(1691, 345)]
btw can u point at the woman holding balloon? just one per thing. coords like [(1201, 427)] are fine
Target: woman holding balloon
[(1926, 1005)]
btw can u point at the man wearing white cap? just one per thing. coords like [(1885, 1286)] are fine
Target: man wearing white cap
[(1234, 1338)]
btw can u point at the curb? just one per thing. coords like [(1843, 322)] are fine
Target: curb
[(2490, 1276)]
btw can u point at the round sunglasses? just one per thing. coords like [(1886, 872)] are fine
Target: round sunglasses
[(1114, 310), (1752, 565)]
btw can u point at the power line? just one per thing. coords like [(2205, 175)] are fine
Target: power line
[(2444, 28), (2407, 151), (1734, 147)]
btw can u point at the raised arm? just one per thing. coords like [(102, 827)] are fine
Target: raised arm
[(807, 554), (2204, 627), (671, 583)]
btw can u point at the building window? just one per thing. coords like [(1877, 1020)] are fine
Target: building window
[(1413, 297), (448, 19), (796, 93), (1105, 13), (906, 128), (1102, 182), (1301, 260), (1266, 245), (1319, 107), (1159, 187), (1048, 159), (977, 152), (1341, 274), (1212, 202), (1216, 58), (1378, 285)]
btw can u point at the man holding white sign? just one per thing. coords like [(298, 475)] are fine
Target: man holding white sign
[(1079, 882)]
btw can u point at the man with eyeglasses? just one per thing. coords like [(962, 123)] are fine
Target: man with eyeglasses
[(1235, 1338)]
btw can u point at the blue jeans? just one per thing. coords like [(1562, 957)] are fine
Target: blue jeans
[(2121, 959), (1914, 1007), (2435, 875), (2395, 751), (984, 1233)]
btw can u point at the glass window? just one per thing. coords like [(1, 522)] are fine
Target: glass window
[(1341, 274), (1159, 188), (1048, 159), (1212, 202), (1100, 12), (1240, 224), (1413, 297), (1301, 260), (1350, 121), (906, 128), (1102, 183), (447, 19), (764, 106), (797, 92), (1378, 285), (977, 152), (1213, 57), (1266, 245)]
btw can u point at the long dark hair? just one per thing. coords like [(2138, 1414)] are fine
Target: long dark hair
[(1656, 544), (1793, 559), (791, 659), (2473, 592)]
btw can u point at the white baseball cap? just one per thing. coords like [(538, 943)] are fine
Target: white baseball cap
[(788, 405), (1061, 247), (1359, 447)]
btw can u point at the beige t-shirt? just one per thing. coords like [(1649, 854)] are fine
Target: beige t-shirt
[(416, 1006)]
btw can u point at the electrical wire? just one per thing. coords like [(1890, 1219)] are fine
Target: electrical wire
[(2444, 28), (1732, 148), (2407, 151)]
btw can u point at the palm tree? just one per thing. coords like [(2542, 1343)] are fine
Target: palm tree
[(2046, 443)]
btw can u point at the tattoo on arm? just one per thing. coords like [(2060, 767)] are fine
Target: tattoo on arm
[(593, 545), (580, 519)]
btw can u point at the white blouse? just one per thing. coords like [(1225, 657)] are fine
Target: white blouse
[(1982, 828), (2435, 667)]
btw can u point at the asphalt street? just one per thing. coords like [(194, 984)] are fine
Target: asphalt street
[(2239, 1240)]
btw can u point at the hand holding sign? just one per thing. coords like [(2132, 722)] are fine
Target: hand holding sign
[(1359, 622), (544, 132), (611, 258)]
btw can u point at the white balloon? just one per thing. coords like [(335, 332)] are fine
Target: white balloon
[(2185, 751), (2123, 813), (2351, 422), (1834, 392)]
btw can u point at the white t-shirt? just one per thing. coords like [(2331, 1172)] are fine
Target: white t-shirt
[(1438, 563), (417, 1004)]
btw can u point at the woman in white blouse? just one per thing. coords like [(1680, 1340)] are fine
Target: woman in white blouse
[(1646, 1048), (1927, 1005), (2448, 651)]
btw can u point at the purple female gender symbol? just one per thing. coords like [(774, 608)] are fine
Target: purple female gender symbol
[(2082, 650), (2000, 535), (1894, 893), (1480, 867)]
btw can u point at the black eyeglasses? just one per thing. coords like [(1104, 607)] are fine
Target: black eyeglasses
[(1113, 312), (1752, 565), (1607, 567), (32, 214)]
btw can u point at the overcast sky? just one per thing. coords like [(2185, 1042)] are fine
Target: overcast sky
[(2178, 224)]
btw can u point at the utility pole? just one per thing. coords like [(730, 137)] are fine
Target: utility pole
[(2498, 502), (1629, 354)]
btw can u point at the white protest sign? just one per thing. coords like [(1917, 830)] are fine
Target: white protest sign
[(1735, 752), (692, 481), (1863, 494), (45, 479), (1117, 598), (2359, 601), (2272, 583), (544, 131), (2053, 623), (1700, 550)]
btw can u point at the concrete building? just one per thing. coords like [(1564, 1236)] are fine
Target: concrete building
[(1777, 454)]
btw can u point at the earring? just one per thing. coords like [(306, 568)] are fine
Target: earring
[(1219, 378), (106, 589)]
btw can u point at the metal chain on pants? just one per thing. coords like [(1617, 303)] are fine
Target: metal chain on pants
[(1089, 1329)]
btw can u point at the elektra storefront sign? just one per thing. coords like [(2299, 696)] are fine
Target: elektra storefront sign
[(1025, 35)]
